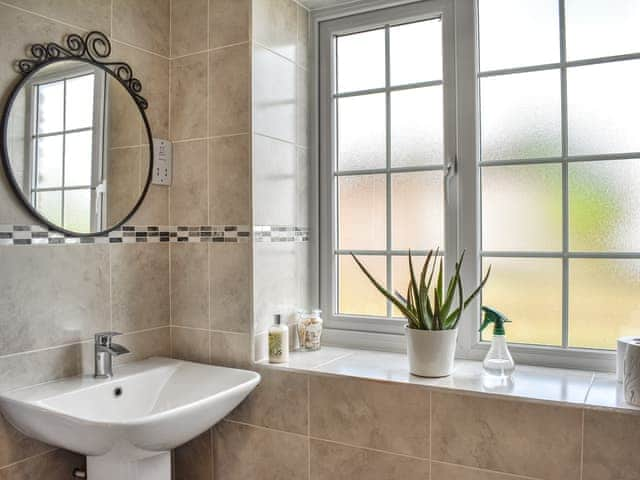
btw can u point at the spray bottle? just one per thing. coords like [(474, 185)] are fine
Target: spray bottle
[(498, 361)]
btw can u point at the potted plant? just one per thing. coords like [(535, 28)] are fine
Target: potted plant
[(432, 316)]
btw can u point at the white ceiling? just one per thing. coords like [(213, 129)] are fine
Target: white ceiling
[(316, 4)]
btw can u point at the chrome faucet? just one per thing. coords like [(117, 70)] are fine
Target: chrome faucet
[(104, 353)]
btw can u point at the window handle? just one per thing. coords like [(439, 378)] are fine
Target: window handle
[(451, 168)]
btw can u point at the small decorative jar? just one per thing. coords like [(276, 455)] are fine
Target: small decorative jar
[(313, 330)]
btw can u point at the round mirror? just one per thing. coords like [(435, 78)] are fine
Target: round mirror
[(77, 147)]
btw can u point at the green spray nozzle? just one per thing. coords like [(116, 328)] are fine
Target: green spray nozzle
[(493, 316)]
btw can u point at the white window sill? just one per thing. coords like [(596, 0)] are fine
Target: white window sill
[(540, 384)]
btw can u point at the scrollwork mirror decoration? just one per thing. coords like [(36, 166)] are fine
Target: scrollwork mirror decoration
[(77, 146)]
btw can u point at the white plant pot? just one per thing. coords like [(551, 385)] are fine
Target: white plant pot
[(431, 352)]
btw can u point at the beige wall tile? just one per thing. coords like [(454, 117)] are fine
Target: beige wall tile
[(274, 173), (189, 26), (123, 176), (190, 345), (231, 349), (56, 465), (140, 286), (189, 97), (330, 461), (230, 90), (443, 471), (150, 343), (153, 72), (541, 441), (125, 124), (143, 23), (243, 452), (611, 442), (302, 107), (44, 365), (230, 22), (279, 402), (302, 47), (275, 25), (87, 14), (230, 272), (303, 181), (274, 285), (52, 296), (384, 416), (189, 204), (230, 171), (274, 96), (14, 446), (154, 209), (192, 461), (190, 285)]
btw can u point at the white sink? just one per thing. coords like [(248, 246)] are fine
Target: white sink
[(127, 425)]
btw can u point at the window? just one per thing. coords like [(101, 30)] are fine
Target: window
[(536, 100), (64, 128), (391, 98), (560, 169)]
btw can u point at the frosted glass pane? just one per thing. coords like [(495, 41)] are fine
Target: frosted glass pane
[(77, 210), (79, 108), (417, 211), (416, 52), (603, 206), (401, 276), (520, 116), (78, 158), (356, 294), (522, 208), (49, 162), (416, 127), (362, 212), (603, 301), (49, 205), (603, 103), (361, 132), (529, 292), (518, 33), (360, 61), (600, 28), (50, 107)]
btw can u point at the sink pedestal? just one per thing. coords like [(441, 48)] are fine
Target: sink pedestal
[(110, 467)]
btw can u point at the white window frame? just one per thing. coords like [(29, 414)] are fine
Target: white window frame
[(462, 188)]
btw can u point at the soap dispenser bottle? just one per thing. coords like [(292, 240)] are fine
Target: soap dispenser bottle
[(278, 341), (498, 361)]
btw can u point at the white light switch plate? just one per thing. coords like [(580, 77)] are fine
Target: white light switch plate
[(161, 162)]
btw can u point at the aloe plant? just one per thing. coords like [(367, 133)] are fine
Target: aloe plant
[(421, 312)]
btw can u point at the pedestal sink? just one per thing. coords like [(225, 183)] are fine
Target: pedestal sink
[(127, 425)]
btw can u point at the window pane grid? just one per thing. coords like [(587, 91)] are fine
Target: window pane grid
[(567, 256), (388, 171), (63, 132)]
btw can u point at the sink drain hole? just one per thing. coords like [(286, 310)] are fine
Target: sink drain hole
[(117, 392)]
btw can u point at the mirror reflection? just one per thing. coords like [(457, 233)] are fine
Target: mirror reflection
[(78, 146)]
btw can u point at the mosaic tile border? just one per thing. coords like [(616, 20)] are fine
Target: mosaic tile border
[(38, 235), (280, 233)]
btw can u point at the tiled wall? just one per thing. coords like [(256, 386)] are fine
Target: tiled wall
[(210, 125), (281, 162), (316, 427), (54, 298)]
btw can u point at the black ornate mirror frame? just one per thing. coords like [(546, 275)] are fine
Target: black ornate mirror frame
[(92, 49)]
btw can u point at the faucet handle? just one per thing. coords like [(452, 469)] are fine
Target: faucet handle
[(104, 338)]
